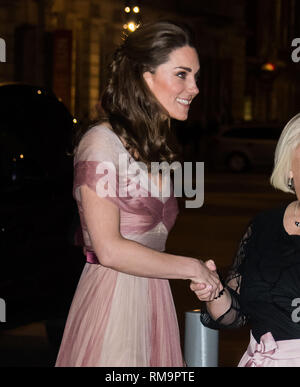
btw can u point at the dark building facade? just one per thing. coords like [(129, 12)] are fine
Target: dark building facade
[(271, 26), (67, 44)]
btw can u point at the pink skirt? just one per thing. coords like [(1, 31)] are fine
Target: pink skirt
[(271, 353), (119, 320)]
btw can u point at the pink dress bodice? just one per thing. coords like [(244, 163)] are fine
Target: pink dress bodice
[(143, 218)]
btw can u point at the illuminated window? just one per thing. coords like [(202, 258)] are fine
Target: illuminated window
[(248, 108)]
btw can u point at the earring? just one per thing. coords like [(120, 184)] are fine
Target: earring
[(291, 183)]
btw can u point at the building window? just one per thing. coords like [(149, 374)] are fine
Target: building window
[(248, 108)]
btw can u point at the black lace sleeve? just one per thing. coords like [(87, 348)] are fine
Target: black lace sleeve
[(233, 317)]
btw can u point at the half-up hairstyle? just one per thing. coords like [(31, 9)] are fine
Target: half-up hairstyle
[(134, 113)]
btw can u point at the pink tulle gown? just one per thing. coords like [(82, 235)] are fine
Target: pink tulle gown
[(116, 319)]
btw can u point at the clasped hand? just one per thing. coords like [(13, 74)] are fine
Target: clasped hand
[(209, 285)]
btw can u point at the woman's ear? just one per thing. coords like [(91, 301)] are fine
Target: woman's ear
[(148, 77)]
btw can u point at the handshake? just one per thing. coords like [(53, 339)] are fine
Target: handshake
[(207, 286)]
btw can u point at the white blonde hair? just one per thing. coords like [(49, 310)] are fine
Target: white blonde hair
[(288, 141)]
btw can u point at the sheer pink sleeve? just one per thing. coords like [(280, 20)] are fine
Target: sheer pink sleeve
[(96, 165)]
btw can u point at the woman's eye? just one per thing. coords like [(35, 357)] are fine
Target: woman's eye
[(182, 74)]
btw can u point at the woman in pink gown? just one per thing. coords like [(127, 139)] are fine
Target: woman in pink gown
[(123, 313)]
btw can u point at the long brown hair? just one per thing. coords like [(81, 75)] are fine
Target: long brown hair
[(134, 113)]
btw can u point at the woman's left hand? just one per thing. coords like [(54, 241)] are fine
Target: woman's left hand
[(202, 291)]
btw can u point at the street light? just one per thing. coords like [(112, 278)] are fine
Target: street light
[(268, 66), (132, 15), (132, 26)]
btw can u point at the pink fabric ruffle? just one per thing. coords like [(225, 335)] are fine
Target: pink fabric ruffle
[(271, 353)]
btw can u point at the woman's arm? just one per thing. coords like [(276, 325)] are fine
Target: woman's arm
[(225, 311), (103, 222), (222, 312), (217, 307)]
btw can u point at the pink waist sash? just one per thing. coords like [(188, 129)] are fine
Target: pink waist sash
[(91, 257), (268, 350)]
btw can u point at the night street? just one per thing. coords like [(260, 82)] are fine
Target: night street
[(213, 231)]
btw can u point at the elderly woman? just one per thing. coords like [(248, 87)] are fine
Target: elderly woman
[(123, 312), (263, 285)]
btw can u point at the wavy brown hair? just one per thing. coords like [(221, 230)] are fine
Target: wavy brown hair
[(134, 113)]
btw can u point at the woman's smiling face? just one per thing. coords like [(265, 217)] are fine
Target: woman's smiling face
[(174, 83)]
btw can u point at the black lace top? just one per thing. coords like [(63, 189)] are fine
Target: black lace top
[(264, 281)]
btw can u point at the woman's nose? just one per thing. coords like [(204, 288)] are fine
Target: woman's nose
[(193, 88)]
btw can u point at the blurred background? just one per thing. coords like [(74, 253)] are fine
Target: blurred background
[(53, 68)]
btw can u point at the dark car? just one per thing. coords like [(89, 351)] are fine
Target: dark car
[(39, 263), (241, 147)]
